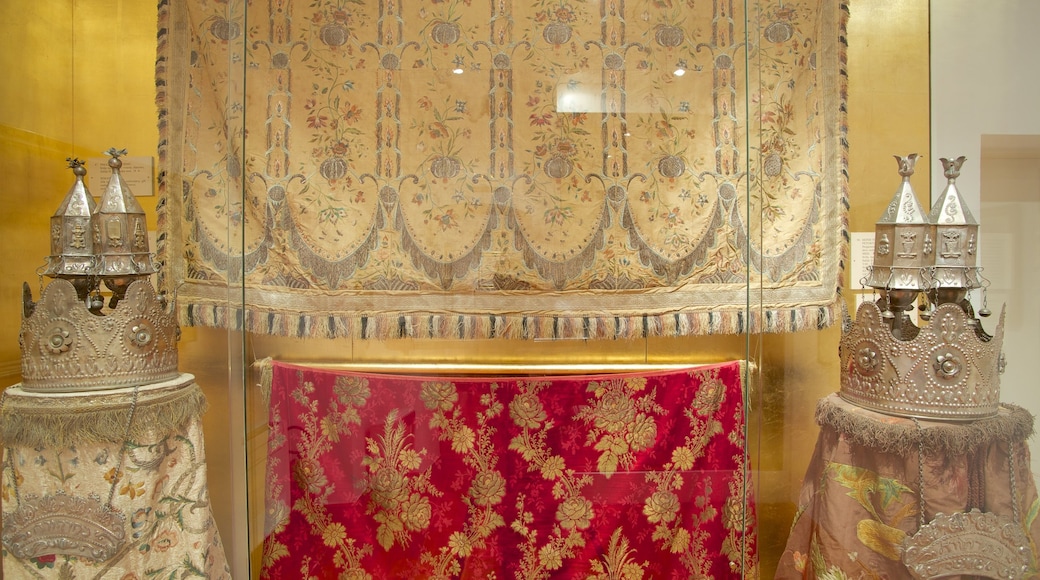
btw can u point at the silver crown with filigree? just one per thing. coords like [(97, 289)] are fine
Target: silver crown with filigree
[(70, 340), (66, 347), (971, 544), (949, 367), (65, 525)]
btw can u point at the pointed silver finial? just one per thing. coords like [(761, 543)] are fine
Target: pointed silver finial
[(121, 234), (906, 164), (952, 167), (76, 165)]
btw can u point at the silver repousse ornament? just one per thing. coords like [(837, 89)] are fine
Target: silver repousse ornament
[(956, 234), (902, 247), (121, 234), (70, 341), (947, 368), (73, 256)]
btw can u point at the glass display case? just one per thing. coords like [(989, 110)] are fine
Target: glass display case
[(394, 195)]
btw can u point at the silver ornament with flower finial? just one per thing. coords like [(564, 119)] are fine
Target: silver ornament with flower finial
[(121, 234), (73, 252)]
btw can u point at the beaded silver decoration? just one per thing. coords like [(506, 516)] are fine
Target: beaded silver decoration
[(969, 544), (948, 368), (61, 524)]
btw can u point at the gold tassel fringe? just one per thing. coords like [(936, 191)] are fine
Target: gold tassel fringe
[(40, 422), (1012, 424)]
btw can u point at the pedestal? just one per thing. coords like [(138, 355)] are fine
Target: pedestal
[(861, 494), (107, 484)]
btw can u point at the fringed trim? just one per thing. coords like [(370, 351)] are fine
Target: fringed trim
[(843, 131), (38, 422), (1013, 423), (266, 366), (516, 327), (162, 61)]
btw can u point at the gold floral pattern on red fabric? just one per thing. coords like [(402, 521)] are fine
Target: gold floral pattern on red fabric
[(605, 476)]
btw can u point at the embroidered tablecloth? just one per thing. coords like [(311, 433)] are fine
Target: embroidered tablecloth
[(534, 169), (859, 499), (65, 462), (604, 476)]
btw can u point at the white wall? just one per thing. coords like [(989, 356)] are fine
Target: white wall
[(985, 63), (1011, 260), (985, 80)]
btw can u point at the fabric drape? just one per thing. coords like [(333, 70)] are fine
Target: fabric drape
[(860, 497), (133, 464), (510, 169), (587, 476)]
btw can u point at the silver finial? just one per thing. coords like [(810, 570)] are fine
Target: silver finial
[(952, 167), (906, 164)]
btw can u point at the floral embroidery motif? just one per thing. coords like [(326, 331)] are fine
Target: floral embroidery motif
[(620, 424), (478, 452), (397, 499), (573, 514), (618, 563), (877, 495), (320, 431), (662, 506), (452, 148), (160, 493), (436, 477)]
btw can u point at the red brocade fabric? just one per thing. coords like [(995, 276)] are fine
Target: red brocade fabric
[(607, 476)]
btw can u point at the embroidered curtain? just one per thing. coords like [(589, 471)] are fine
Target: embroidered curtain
[(532, 169), (609, 476)]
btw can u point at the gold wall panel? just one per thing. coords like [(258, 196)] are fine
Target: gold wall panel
[(888, 66), (79, 79)]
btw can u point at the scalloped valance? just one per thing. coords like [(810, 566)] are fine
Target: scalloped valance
[(503, 169)]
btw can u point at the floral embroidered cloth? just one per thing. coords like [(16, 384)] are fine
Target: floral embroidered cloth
[(534, 169), (859, 499), (159, 524), (609, 476)]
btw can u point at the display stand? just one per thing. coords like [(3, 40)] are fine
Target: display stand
[(860, 496), (108, 484)]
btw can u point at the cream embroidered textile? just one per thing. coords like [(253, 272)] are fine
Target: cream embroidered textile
[(146, 502), (538, 169)]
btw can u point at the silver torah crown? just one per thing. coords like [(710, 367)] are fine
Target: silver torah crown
[(73, 255), (949, 370), (69, 341), (66, 347)]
